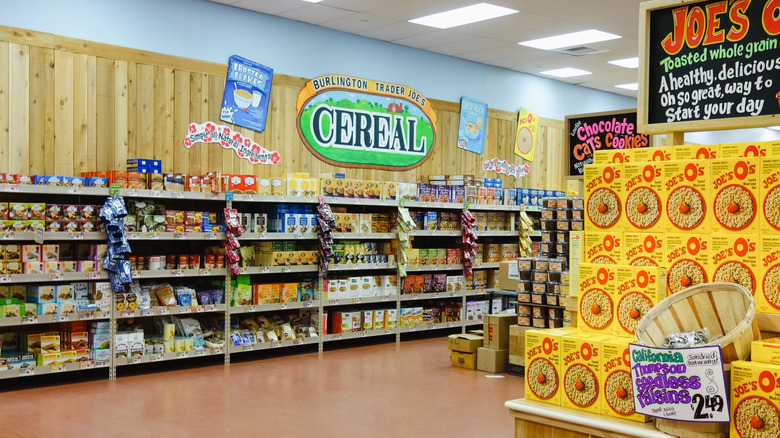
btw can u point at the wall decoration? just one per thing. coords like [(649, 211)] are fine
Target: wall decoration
[(472, 125), (354, 122), (525, 141), (247, 92), (245, 148), (591, 132), (709, 65), (503, 167)]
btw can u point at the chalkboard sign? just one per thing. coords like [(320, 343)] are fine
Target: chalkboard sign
[(709, 64), (591, 132)]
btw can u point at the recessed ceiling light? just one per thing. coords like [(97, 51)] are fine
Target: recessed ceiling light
[(567, 72), (626, 62), (464, 15), (632, 86), (570, 39), (312, 1), (776, 128)]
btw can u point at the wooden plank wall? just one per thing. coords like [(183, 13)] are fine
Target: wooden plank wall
[(68, 106)]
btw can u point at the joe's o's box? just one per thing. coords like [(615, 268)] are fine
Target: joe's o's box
[(616, 389), (603, 198), (687, 260), (643, 195), (638, 289), (689, 152), (602, 247), (768, 288), (769, 195), (757, 149), (734, 187), (580, 364), (610, 156), (734, 259), (755, 399), (646, 155), (643, 249), (596, 297), (686, 196), (543, 378)]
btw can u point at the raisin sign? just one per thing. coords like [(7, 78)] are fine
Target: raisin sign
[(354, 122)]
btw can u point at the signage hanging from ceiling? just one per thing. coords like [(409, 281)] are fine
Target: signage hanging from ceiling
[(247, 93), (709, 65), (354, 122), (589, 133)]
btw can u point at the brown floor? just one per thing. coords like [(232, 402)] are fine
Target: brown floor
[(399, 390)]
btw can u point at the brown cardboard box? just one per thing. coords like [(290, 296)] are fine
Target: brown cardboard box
[(465, 343), (464, 360), (507, 273), (517, 344), (491, 360), (497, 330)]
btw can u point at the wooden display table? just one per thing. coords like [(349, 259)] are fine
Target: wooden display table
[(540, 420)]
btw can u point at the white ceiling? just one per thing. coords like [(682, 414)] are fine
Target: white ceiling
[(492, 42)]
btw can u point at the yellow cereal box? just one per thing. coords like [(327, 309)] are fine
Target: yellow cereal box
[(603, 185), (687, 260), (638, 289), (616, 389), (643, 191), (643, 249), (543, 363), (769, 195), (734, 190), (644, 155), (765, 351), (602, 248), (768, 295), (734, 259), (755, 399), (750, 149), (689, 152), (686, 199), (580, 365), (595, 299), (610, 156)]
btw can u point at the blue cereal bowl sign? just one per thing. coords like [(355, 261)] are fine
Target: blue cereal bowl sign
[(354, 122)]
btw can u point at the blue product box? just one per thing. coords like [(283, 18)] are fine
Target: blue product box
[(41, 179), (498, 199)]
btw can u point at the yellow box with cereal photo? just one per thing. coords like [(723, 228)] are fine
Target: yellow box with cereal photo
[(612, 156), (767, 295), (646, 155), (734, 259), (769, 195), (602, 247), (579, 370), (603, 196), (643, 249), (616, 389), (686, 200), (756, 149), (687, 152), (643, 192), (688, 260), (543, 363), (755, 399), (765, 351), (734, 187), (597, 285), (638, 289)]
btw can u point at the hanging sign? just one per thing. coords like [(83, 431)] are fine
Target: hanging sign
[(503, 167), (245, 148), (709, 64), (682, 384), (353, 122), (247, 92), (525, 141), (591, 132), (472, 125)]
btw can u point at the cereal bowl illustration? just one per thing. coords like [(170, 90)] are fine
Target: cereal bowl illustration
[(472, 130), (243, 98)]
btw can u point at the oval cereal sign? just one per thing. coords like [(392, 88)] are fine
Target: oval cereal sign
[(354, 122)]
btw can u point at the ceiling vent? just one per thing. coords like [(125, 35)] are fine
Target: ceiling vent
[(579, 51)]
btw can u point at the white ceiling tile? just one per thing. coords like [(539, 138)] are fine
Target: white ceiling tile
[(358, 22), (467, 45), (433, 38), (270, 7), (397, 31), (315, 14)]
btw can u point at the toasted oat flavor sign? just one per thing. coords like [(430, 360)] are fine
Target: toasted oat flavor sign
[(682, 384), (354, 122)]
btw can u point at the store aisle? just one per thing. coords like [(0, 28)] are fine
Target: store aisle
[(406, 390)]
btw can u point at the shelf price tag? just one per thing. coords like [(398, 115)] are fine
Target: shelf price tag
[(211, 236), (249, 197), (163, 311), (86, 315), (388, 331), (249, 347), (5, 279), (152, 236), (101, 364), (30, 320), (204, 272), (333, 302), (156, 358), (133, 360), (435, 296), (128, 314), (185, 309), (450, 325), (28, 371), (75, 235), (176, 195), (282, 306), (307, 304), (199, 309), (177, 273), (131, 192), (216, 350), (93, 275), (136, 274), (10, 187), (276, 344), (431, 326), (362, 334), (86, 365), (60, 318), (8, 236), (180, 236), (132, 236), (210, 307), (55, 277), (384, 298), (412, 328), (182, 355), (200, 352), (285, 269), (357, 300), (299, 342), (155, 193), (249, 309), (147, 312)]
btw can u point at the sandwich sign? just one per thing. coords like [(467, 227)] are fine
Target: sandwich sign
[(353, 122)]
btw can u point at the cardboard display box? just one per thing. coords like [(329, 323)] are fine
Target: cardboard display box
[(464, 360), (492, 360), (508, 275), (465, 343), (496, 330), (517, 344)]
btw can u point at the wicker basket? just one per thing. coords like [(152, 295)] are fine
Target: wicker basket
[(727, 310)]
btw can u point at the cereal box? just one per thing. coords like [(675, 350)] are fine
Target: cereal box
[(686, 200), (638, 289), (616, 389), (645, 155), (765, 351), (643, 249), (750, 149), (734, 191), (755, 399), (734, 259), (689, 152), (687, 260), (596, 297), (768, 298), (602, 248), (769, 194), (603, 188), (611, 156), (580, 365), (643, 191), (543, 363)]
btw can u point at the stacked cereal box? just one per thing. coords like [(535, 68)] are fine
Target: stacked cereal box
[(643, 188), (603, 196), (638, 290), (596, 302), (601, 248), (646, 155), (769, 199), (734, 190), (580, 365), (755, 398), (643, 249), (543, 363), (768, 300), (687, 258), (610, 156), (687, 196), (615, 377), (734, 259), (689, 152), (750, 149)]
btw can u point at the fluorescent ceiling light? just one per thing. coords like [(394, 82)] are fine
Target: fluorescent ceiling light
[(627, 62), (570, 39), (464, 15), (632, 86), (567, 72), (312, 1), (776, 128)]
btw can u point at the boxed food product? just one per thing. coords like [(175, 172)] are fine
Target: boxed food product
[(603, 196), (734, 258), (602, 248), (464, 360), (643, 249), (596, 299), (615, 377), (687, 258), (689, 152), (610, 156), (768, 297), (645, 155), (769, 195), (735, 191), (580, 372), (755, 399), (687, 196), (542, 365), (638, 289), (288, 293), (765, 351), (758, 149), (643, 191)]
